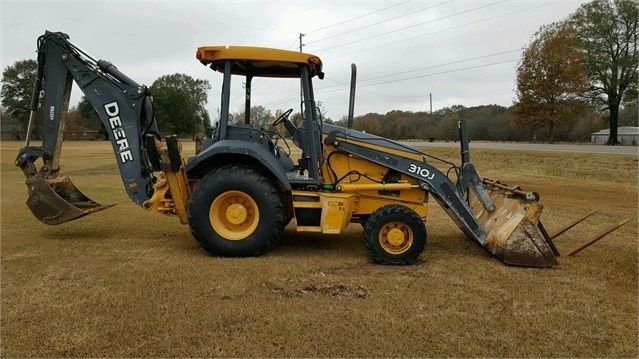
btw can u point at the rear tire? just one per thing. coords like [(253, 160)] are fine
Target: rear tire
[(235, 211), (394, 234)]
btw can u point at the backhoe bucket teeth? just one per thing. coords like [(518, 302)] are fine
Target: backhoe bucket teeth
[(512, 231), (57, 200)]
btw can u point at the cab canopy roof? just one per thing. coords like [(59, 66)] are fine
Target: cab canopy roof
[(259, 61)]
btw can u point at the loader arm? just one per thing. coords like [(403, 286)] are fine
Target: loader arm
[(430, 179), (124, 108)]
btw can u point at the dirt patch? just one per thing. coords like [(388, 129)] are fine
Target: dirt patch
[(293, 288)]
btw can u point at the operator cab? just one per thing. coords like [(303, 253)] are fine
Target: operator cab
[(259, 71)]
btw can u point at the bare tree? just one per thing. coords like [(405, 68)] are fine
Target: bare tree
[(608, 39)]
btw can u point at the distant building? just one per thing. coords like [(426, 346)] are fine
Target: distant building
[(626, 135)]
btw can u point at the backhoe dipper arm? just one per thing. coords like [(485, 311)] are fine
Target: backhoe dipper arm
[(124, 107)]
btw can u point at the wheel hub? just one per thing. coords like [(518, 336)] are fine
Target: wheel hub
[(395, 237), (236, 213)]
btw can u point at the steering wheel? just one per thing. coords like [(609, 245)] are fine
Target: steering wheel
[(283, 118)]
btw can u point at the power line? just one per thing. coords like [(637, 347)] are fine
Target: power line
[(431, 67), (440, 65), (282, 100), (386, 95), (438, 100), (373, 93), (377, 23), (441, 72), (442, 30), (408, 27), (324, 90), (355, 18), (293, 44)]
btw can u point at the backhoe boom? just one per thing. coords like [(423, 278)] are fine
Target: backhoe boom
[(123, 106)]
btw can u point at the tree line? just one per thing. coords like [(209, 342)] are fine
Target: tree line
[(486, 123)]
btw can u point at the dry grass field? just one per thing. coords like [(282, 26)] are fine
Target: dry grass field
[(128, 283)]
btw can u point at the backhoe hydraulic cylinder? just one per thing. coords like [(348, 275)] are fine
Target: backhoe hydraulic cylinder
[(109, 68)]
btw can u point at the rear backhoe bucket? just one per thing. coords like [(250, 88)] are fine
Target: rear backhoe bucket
[(512, 231), (57, 200)]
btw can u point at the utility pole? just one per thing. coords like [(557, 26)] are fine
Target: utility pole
[(431, 103), (301, 91)]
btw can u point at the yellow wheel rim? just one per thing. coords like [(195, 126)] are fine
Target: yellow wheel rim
[(234, 215), (396, 237)]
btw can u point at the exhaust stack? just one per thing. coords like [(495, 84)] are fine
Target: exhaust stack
[(351, 98)]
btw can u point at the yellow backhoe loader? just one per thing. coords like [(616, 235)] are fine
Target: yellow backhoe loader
[(242, 187)]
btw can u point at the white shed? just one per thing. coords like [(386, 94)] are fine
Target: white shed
[(626, 135)]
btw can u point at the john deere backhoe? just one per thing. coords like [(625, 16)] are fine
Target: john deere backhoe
[(242, 187)]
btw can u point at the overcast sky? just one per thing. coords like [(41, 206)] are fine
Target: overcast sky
[(461, 51)]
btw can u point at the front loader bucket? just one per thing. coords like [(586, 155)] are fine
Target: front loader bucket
[(57, 200), (512, 231)]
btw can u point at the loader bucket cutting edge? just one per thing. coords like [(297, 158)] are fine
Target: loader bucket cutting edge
[(512, 232), (57, 200)]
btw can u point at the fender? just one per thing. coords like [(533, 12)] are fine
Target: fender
[(227, 151)]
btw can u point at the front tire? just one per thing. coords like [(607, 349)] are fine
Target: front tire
[(235, 211), (394, 234)]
